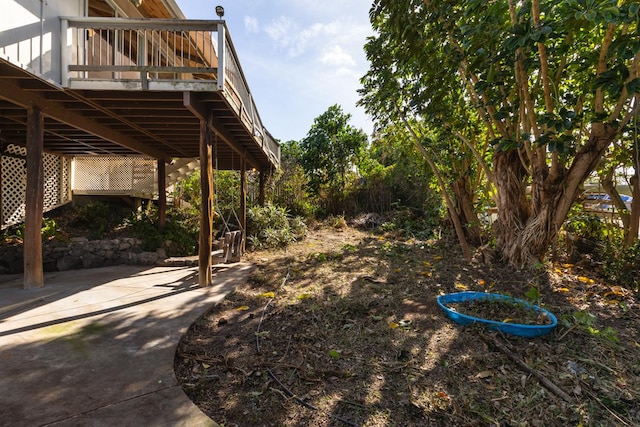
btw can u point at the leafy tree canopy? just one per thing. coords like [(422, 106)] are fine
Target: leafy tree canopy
[(331, 149)]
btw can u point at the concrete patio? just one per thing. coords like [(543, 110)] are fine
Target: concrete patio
[(96, 347)]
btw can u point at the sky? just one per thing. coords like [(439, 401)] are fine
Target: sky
[(299, 57)]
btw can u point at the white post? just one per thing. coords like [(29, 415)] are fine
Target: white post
[(64, 53), (221, 54)]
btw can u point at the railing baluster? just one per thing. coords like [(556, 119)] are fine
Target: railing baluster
[(161, 48)]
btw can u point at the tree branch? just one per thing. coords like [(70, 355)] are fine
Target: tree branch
[(602, 67), (452, 211)]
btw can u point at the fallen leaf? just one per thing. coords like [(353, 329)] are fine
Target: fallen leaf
[(242, 308), (334, 353), (426, 263), (393, 325), (564, 290), (268, 295), (437, 258), (481, 282), (583, 279), (484, 374), (461, 286), (304, 296)]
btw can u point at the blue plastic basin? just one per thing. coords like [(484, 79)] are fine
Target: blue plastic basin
[(521, 330)]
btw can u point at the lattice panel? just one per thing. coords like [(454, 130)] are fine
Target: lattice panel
[(14, 183), (65, 179), (114, 175)]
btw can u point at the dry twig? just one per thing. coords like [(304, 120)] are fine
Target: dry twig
[(543, 380)]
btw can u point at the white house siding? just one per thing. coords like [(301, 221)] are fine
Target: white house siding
[(30, 33)]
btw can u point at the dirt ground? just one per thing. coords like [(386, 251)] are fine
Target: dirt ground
[(343, 328)]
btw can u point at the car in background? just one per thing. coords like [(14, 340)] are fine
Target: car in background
[(601, 202)]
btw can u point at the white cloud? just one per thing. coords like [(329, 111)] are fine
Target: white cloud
[(335, 55), (299, 57), (251, 24), (281, 30)]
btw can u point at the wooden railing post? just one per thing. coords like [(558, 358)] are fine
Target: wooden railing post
[(222, 34), (64, 53)]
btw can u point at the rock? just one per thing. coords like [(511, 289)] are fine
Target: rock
[(90, 260), (147, 258), (162, 253), (68, 263)]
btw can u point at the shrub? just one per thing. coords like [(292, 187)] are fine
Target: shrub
[(181, 230), (100, 217), (622, 265), (271, 227)]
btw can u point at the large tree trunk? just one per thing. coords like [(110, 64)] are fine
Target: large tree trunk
[(513, 208), (526, 227)]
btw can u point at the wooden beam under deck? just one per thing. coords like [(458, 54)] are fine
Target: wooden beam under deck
[(55, 110)]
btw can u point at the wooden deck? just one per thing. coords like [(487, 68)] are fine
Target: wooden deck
[(161, 88), (161, 78)]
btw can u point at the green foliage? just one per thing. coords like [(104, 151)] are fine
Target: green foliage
[(189, 189), (181, 230), (621, 265), (395, 176), (523, 87), (587, 322), (271, 227), (409, 224), (289, 186), (49, 229), (100, 217), (604, 242), (329, 155), (586, 226), (337, 221)]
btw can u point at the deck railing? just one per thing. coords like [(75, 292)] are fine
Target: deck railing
[(159, 54)]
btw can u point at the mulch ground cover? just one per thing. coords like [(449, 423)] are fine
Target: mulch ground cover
[(343, 329)]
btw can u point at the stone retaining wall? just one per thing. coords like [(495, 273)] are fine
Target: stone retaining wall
[(82, 253)]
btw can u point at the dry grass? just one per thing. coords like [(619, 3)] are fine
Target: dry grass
[(343, 329)]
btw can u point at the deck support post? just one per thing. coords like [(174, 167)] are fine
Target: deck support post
[(261, 185), (33, 270), (243, 199), (206, 208), (1, 155), (162, 194)]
